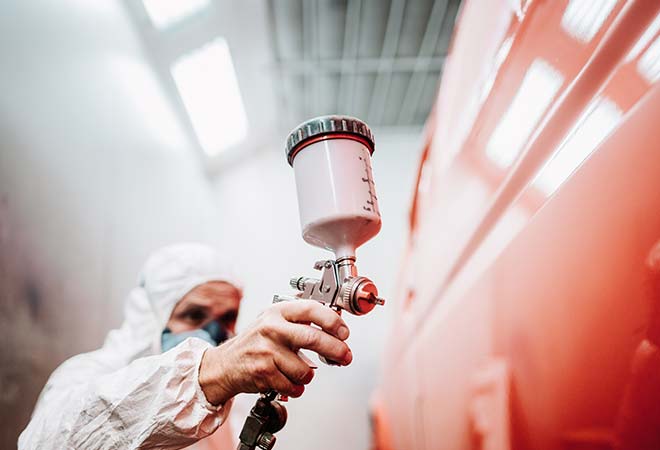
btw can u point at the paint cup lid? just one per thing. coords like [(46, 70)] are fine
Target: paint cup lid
[(328, 127)]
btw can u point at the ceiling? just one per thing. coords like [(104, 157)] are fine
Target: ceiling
[(379, 60)]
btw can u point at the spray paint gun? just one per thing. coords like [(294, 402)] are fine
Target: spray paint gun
[(331, 159)]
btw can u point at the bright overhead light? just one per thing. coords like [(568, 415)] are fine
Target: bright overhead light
[(164, 13), (583, 18), (598, 121), (538, 88), (208, 87)]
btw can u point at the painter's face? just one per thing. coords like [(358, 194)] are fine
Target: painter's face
[(215, 300)]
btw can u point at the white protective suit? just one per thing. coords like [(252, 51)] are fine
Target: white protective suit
[(127, 394)]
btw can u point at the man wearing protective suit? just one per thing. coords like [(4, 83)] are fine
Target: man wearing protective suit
[(161, 380)]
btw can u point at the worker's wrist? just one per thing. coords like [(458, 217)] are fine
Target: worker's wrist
[(213, 378)]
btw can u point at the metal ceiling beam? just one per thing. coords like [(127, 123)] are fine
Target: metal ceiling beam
[(284, 92), (434, 28), (317, 87), (323, 83), (345, 97), (388, 52), (362, 65), (308, 46)]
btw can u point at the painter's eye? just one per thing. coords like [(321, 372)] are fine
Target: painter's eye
[(195, 315), (229, 318)]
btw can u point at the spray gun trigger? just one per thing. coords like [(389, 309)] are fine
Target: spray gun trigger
[(328, 362), (277, 298), (306, 360)]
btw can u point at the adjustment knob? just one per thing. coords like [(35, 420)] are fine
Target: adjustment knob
[(296, 283), (300, 283)]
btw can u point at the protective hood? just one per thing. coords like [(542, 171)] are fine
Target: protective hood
[(113, 398), (167, 276)]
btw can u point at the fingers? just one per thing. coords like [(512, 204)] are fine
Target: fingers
[(294, 368), (299, 336), (283, 385), (264, 356), (316, 313)]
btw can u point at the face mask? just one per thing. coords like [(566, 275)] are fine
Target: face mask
[(213, 333)]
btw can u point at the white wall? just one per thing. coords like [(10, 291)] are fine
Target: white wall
[(95, 173)]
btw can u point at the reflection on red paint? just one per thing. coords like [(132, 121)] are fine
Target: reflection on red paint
[(532, 264)]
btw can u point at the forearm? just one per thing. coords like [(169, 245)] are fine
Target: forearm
[(154, 402)]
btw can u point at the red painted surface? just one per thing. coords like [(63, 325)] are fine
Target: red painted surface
[(538, 264)]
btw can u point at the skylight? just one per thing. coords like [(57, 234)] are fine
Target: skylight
[(208, 87), (164, 13)]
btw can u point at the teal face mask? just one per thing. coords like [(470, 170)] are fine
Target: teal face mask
[(214, 333)]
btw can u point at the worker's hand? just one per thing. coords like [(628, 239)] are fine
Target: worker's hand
[(264, 356)]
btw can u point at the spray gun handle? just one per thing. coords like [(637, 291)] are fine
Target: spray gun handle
[(266, 418)]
